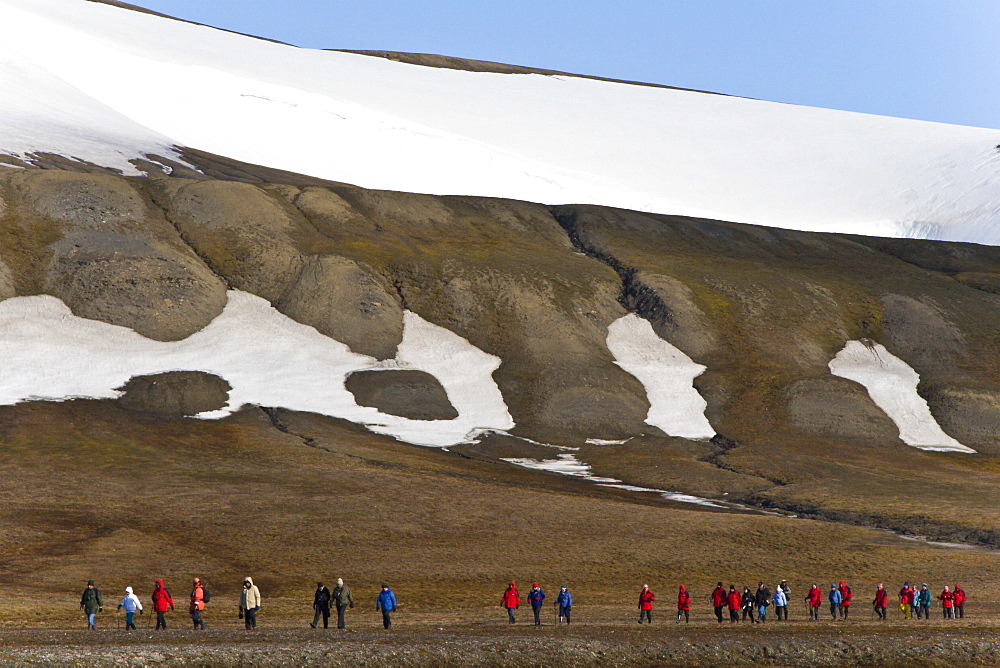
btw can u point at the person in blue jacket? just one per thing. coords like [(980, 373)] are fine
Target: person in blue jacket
[(835, 600), (536, 597), (565, 602), (386, 602)]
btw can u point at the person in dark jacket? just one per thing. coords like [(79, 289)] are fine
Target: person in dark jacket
[(718, 598), (646, 598), (734, 602), (511, 601), (747, 602), (536, 597), (763, 599), (91, 603), (924, 601), (565, 602), (881, 601), (162, 601), (342, 599), (386, 603), (321, 605)]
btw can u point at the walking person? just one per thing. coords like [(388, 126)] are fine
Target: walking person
[(510, 600), (565, 602), (780, 603), (835, 600), (386, 603), (683, 605), (342, 599), (734, 602), (162, 601), (199, 597), (249, 604), (906, 600), (947, 599), (536, 597), (718, 598), (846, 597), (924, 601), (763, 599), (747, 602), (959, 602), (881, 601), (646, 598), (91, 603), (321, 605), (131, 603), (814, 599), (914, 603), (783, 586)]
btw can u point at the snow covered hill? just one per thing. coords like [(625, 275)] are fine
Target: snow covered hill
[(105, 85)]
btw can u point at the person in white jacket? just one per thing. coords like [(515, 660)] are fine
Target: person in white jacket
[(249, 603), (131, 603)]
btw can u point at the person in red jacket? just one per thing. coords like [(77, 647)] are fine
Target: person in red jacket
[(510, 600), (814, 599), (906, 600), (162, 601), (735, 602), (845, 599), (718, 598), (683, 605), (947, 599), (959, 602), (881, 601), (646, 598)]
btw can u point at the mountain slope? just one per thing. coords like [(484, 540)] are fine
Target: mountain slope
[(549, 139)]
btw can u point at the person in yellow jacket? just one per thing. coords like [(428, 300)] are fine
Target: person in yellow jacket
[(249, 603)]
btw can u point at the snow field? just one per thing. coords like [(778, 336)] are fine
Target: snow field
[(138, 83), (892, 385), (267, 358), (666, 373)]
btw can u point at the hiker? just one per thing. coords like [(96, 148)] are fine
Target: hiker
[(783, 585), (947, 599), (646, 598), (162, 601), (718, 598), (199, 597), (683, 605), (342, 599), (835, 600), (747, 603), (845, 600), (249, 604), (386, 602), (959, 602), (780, 603), (881, 601), (510, 600), (565, 602), (734, 601), (924, 601), (914, 603), (131, 603), (91, 603), (763, 599), (536, 596), (905, 599), (321, 605), (814, 599)]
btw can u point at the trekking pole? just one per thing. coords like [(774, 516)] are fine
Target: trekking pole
[(118, 619)]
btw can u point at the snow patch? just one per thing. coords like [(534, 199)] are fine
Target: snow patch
[(269, 360), (666, 373), (601, 441), (570, 465), (892, 385)]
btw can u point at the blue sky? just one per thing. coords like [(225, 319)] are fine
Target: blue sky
[(932, 60)]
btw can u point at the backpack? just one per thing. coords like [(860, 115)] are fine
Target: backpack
[(206, 595)]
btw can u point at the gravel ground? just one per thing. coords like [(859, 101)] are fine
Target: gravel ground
[(792, 644)]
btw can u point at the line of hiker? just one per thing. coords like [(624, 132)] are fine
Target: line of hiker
[(511, 601)]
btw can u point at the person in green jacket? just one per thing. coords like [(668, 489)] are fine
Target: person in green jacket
[(91, 603), (342, 598), (924, 600)]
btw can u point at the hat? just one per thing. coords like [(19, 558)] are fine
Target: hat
[(645, 586), (535, 585), (833, 586), (128, 590), (513, 584), (719, 585), (906, 584), (319, 584), (90, 583), (385, 585), (197, 580), (923, 584), (564, 586), (340, 582)]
